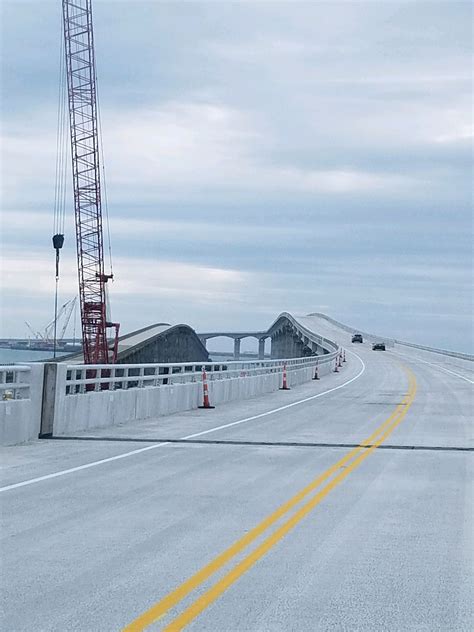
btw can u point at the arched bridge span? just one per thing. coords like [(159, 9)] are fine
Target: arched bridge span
[(289, 339)]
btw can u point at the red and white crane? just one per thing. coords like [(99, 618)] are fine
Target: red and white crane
[(84, 134)]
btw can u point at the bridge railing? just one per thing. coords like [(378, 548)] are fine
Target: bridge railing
[(14, 382), (21, 391), (329, 345), (92, 378)]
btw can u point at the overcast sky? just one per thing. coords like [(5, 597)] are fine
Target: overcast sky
[(260, 157)]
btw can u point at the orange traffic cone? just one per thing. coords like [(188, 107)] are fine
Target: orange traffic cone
[(316, 375), (285, 386), (205, 389)]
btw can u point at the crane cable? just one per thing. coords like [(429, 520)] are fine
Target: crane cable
[(61, 149), (59, 211), (104, 183)]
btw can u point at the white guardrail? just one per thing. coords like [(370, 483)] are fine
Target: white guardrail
[(311, 336), (45, 399), (21, 391), (14, 382), (98, 377)]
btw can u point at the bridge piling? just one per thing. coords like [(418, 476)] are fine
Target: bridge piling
[(237, 348)]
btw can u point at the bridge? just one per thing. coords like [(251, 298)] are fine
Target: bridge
[(237, 337), (289, 339), (339, 502), (163, 342)]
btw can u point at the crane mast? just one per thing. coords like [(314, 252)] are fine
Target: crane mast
[(82, 101)]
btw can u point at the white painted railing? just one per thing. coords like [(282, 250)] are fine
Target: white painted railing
[(312, 336), (21, 390), (14, 382), (92, 378), (44, 399)]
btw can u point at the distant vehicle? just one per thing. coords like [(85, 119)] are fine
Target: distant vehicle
[(378, 346), (357, 338)]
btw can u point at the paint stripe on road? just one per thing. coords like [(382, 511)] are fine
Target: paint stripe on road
[(437, 366), (157, 611), (205, 600)]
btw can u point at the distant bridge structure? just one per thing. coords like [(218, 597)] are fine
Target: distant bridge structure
[(163, 342), (237, 337), (291, 339), (288, 337)]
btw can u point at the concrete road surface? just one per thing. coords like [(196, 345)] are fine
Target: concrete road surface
[(280, 522)]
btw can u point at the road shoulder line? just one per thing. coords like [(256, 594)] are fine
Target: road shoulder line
[(437, 366)]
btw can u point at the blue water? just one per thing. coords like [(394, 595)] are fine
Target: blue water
[(9, 356)]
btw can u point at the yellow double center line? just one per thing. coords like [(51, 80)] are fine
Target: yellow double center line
[(341, 470)]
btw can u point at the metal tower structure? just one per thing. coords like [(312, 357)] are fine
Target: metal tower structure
[(83, 123)]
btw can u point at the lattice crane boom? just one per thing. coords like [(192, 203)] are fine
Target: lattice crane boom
[(82, 101)]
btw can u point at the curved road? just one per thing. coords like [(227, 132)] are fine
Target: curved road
[(258, 520)]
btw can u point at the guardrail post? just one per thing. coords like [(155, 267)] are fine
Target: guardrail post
[(54, 392), (48, 400)]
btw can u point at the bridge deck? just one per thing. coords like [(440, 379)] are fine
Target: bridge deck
[(387, 547)]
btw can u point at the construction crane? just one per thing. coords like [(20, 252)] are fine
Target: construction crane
[(47, 336), (36, 334), (69, 309), (66, 311), (84, 134)]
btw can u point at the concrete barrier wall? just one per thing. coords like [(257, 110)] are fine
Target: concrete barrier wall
[(76, 413), (104, 409), (20, 419)]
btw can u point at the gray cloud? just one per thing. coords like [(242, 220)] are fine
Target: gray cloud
[(321, 151)]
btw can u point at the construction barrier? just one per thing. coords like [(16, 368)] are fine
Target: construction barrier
[(205, 390), (284, 386)]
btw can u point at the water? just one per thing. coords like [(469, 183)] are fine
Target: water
[(9, 356)]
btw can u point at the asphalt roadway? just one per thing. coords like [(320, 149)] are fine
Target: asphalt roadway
[(279, 522)]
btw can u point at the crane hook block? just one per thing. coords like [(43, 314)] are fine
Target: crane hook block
[(58, 241)]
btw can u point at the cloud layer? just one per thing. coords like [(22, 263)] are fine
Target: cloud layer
[(260, 157)]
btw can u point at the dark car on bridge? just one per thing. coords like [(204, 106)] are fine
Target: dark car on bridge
[(378, 346), (357, 338)]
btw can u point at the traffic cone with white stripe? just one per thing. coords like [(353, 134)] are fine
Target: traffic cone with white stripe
[(344, 356), (336, 369), (340, 360), (316, 374), (205, 390), (285, 386)]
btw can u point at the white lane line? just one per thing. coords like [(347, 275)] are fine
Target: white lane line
[(277, 410), (71, 470), (80, 467), (437, 366)]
